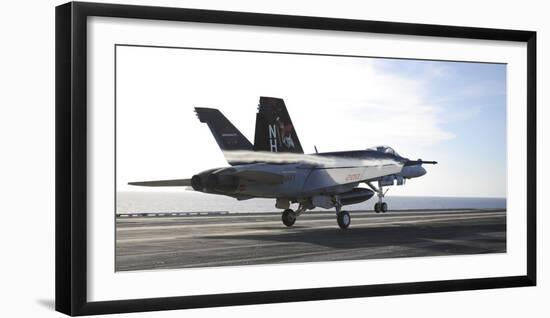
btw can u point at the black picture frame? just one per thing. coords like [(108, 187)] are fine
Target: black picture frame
[(71, 157)]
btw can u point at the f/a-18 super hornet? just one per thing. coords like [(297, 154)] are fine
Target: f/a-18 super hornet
[(275, 166)]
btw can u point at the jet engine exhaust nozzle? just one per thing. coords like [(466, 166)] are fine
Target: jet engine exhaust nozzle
[(196, 183), (214, 182)]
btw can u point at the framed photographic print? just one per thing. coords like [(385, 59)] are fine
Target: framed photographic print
[(213, 158)]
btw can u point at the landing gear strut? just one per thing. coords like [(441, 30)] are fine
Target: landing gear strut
[(379, 206)]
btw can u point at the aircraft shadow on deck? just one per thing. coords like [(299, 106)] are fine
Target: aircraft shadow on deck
[(453, 238)]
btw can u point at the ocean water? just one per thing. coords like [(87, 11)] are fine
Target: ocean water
[(188, 201)]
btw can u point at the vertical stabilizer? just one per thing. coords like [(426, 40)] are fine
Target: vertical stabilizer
[(274, 129), (228, 137)]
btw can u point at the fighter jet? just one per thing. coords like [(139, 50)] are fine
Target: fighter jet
[(276, 167)]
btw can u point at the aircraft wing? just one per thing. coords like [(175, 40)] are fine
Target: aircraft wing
[(163, 183)]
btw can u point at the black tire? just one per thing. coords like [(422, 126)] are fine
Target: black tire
[(344, 219), (288, 217), (377, 207), (384, 207)]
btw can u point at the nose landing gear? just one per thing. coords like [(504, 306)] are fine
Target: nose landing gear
[(379, 206)]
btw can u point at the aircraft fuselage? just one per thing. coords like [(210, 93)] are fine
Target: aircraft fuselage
[(317, 174)]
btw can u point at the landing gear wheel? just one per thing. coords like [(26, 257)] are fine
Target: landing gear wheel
[(289, 217), (377, 207), (384, 207), (343, 219)]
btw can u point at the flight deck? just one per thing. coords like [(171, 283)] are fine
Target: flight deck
[(184, 240)]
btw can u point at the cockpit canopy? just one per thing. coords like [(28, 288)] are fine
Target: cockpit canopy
[(384, 149)]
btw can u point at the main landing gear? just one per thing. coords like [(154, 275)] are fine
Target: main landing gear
[(342, 217), (289, 216), (379, 206)]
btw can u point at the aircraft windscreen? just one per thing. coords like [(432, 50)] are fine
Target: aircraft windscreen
[(384, 149)]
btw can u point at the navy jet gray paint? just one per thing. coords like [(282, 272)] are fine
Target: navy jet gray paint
[(276, 167)]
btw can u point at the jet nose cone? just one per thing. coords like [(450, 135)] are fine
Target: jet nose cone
[(413, 171), (421, 171)]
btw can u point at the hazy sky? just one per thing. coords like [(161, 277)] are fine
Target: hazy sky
[(451, 112)]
